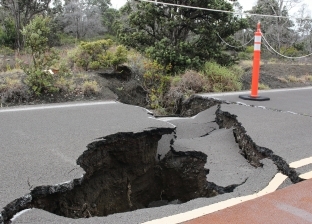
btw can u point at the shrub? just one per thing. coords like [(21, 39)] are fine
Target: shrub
[(244, 56), (193, 81), (66, 39), (221, 79), (156, 83), (237, 70), (136, 62), (175, 95), (6, 51), (182, 87), (36, 35), (249, 49), (308, 78), (292, 78), (173, 100), (94, 65), (13, 90), (189, 83), (90, 88), (119, 56), (263, 86), (290, 51), (43, 81), (89, 52), (63, 84), (99, 54), (40, 81)]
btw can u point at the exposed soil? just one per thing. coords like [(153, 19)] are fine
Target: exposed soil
[(277, 75)]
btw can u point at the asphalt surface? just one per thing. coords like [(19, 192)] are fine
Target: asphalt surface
[(282, 124), (288, 135), (226, 165), (296, 100), (40, 145)]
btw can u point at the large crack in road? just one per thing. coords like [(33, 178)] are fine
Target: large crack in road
[(125, 171), (123, 175), (250, 150)]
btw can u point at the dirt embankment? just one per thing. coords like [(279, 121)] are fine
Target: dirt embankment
[(122, 86), (281, 75)]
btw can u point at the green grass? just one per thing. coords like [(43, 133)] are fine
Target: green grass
[(222, 79)]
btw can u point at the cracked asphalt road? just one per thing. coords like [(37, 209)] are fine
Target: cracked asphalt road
[(40, 146)]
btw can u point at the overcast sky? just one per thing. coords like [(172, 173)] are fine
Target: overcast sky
[(247, 4)]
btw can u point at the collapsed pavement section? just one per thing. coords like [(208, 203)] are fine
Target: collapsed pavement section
[(121, 175), (179, 171)]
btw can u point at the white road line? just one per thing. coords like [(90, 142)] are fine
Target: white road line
[(306, 176), (272, 186), (167, 119), (57, 106), (301, 163), (186, 216)]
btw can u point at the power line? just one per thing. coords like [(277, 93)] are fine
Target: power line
[(226, 43), (235, 13), (305, 56), (219, 10)]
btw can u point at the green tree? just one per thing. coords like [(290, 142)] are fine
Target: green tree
[(304, 29), (7, 33), (278, 30), (82, 19), (109, 18), (22, 11), (176, 36), (36, 35), (103, 5)]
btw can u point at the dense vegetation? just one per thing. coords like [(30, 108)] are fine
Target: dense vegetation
[(173, 52), (183, 38)]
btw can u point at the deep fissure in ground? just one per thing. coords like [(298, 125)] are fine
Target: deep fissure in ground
[(248, 148), (123, 174)]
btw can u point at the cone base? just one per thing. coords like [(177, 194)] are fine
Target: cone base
[(257, 98)]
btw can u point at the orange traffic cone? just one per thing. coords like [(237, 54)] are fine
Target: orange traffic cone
[(255, 70)]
